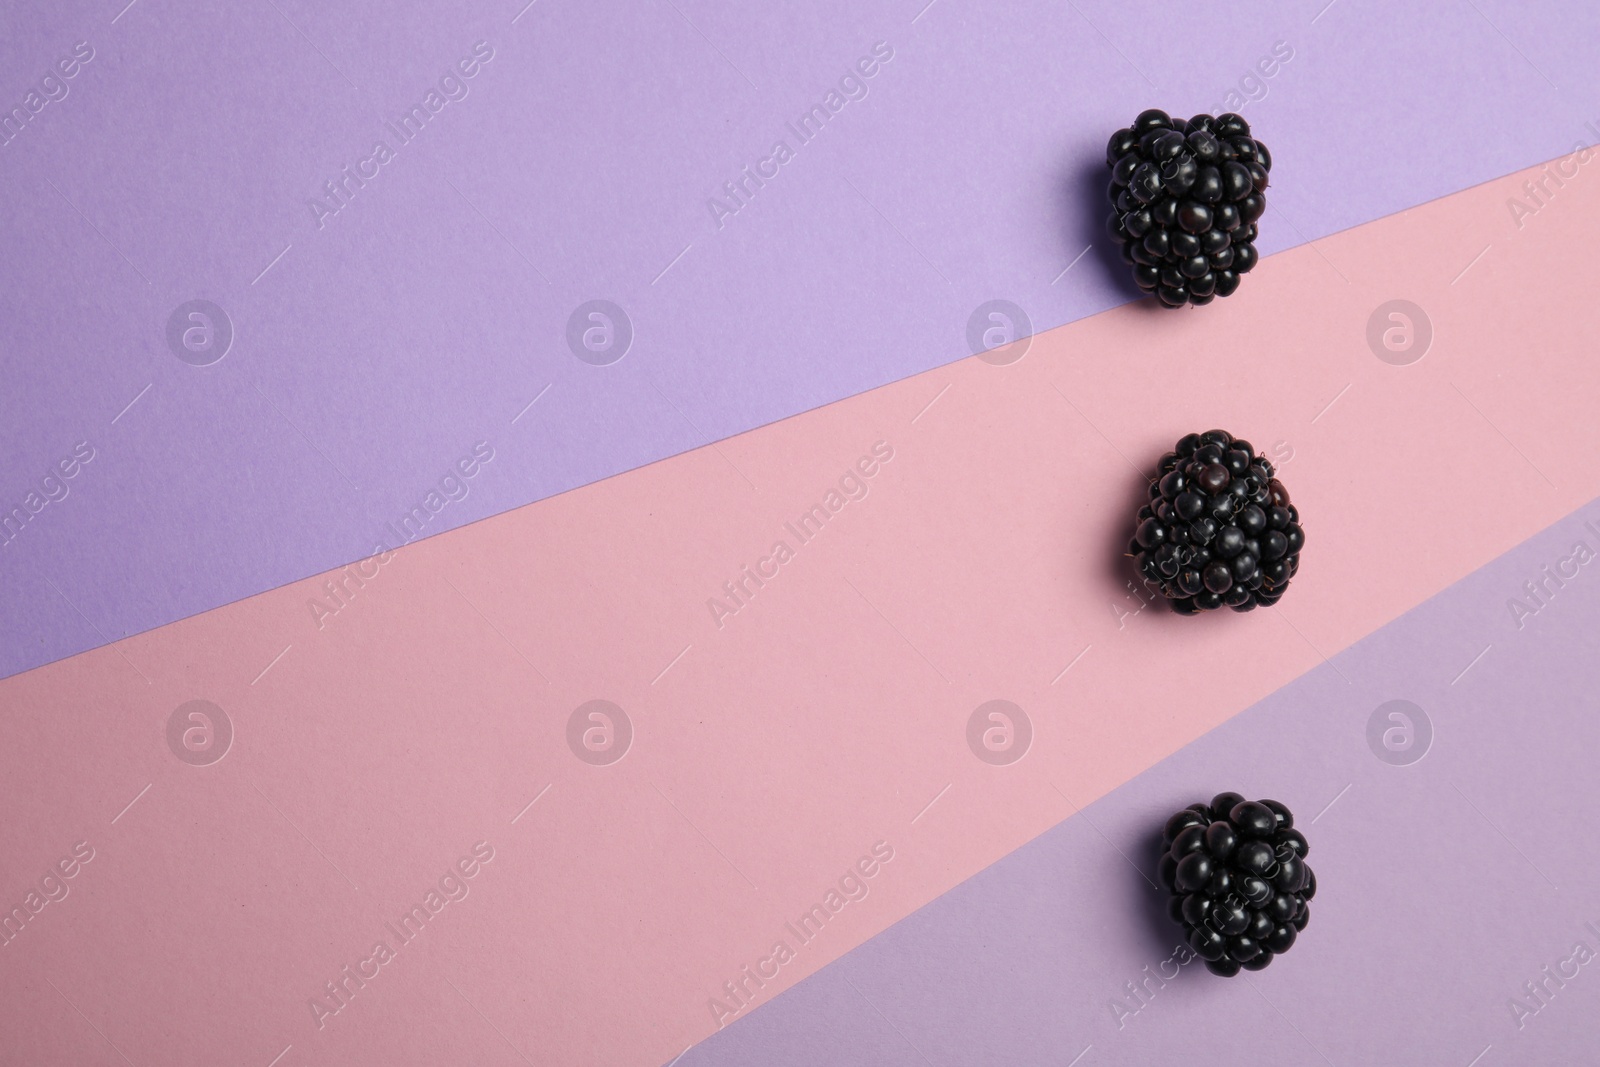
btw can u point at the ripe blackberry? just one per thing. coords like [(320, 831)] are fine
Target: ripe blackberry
[(1239, 881), (1185, 197), (1218, 529)]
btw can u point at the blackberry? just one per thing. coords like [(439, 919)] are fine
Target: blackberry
[(1218, 528), (1185, 196), (1239, 881)]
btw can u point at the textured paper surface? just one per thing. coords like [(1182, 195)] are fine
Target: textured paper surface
[(434, 709), (1451, 876), (371, 349)]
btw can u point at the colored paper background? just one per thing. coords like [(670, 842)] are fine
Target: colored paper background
[(1447, 880), (375, 745), (372, 352)]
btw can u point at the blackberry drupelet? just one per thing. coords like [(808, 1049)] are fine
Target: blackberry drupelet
[(1239, 881), (1218, 528), (1185, 197)]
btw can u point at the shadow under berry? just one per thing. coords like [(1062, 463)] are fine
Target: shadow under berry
[(1120, 569), (1087, 226), (1150, 900)]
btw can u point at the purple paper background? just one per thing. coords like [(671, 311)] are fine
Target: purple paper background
[(1443, 885), (427, 314)]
